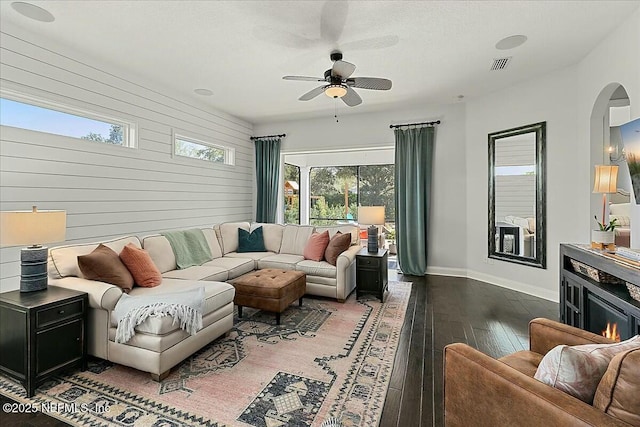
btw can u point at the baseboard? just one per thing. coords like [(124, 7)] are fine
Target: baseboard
[(447, 271), (514, 285)]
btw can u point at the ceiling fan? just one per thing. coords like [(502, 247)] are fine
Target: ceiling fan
[(339, 82)]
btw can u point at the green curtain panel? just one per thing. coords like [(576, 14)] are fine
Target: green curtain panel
[(414, 155), (267, 178)]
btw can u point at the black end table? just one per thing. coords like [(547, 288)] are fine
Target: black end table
[(371, 273), (42, 333)]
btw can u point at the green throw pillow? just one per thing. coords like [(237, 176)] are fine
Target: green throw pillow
[(251, 242)]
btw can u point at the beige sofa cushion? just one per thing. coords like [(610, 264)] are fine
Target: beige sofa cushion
[(229, 235), (199, 272), (272, 234), (295, 238), (160, 251), (344, 229), (317, 268), (216, 296), (234, 266), (280, 261), (63, 260)]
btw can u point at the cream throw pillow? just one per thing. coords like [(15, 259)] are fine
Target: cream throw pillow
[(577, 370)]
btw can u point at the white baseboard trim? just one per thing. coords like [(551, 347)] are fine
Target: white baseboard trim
[(447, 271), (495, 280), (514, 285)]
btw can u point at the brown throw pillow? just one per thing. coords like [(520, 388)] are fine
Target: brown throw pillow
[(141, 266), (338, 244), (104, 264)]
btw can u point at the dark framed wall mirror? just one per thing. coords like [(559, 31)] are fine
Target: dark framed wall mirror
[(517, 195)]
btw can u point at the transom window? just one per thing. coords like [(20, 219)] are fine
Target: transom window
[(197, 149), (49, 117)]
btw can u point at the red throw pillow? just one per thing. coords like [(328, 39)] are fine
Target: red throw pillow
[(337, 245), (139, 263), (104, 265), (316, 246)]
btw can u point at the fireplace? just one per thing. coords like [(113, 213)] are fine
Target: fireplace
[(601, 316)]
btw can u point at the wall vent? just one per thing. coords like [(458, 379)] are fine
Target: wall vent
[(500, 63)]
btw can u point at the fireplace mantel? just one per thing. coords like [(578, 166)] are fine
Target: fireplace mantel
[(584, 301)]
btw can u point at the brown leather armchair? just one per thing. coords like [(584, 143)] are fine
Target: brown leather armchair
[(482, 391)]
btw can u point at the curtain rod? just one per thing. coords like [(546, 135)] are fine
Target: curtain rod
[(282, 135), (437, 122)]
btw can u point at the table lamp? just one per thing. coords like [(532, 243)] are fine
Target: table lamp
[(606, 181), (373, 216), (32, 228)]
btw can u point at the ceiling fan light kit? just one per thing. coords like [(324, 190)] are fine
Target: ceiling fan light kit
[(335, 91), (339, 84)]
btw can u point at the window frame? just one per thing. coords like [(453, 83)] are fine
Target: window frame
[(129, 128), (229, 152)]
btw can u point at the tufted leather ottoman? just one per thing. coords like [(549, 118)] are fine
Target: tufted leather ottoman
[(269, 289)]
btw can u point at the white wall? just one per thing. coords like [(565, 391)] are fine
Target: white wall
[(448, 223), (109, 190)]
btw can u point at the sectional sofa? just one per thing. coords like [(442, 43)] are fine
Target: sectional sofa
[(158, 345)]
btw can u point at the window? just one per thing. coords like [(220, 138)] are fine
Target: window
[(291, 194), (201, 150), (45, 116), (336, 192)]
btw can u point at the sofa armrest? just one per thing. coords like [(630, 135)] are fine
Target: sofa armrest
[(544, 334), (482, 391), (101, 295), (346, 272)]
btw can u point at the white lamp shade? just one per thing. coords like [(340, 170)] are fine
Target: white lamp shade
[(606, 179), (32, 227), (371, 215)]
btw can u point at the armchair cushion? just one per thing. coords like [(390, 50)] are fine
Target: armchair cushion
[(524, 361), (619, 390)]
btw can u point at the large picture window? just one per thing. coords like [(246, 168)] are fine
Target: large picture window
[(57, 119), (336, 192), (291, 194)]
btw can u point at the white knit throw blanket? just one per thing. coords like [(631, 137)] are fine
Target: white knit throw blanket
[(185, 307)]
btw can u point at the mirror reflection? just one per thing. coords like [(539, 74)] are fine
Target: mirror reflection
[(517, 195)]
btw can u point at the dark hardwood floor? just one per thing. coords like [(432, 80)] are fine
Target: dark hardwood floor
[(441, 310), (444, 310)]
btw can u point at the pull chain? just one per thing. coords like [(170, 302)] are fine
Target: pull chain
[(335, 106)]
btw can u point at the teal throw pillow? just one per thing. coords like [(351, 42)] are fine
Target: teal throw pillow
[(251, 242)]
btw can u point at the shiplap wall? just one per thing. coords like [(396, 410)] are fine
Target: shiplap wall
[(110, 191)]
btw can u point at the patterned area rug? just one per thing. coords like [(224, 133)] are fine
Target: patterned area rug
[(326, 359)]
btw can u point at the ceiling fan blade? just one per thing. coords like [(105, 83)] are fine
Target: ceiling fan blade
[(343, 69), (312, 93), (352, 98), (283, 38), (374, 83), (303, 78)]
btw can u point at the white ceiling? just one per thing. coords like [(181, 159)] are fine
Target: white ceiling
[(433, 51)]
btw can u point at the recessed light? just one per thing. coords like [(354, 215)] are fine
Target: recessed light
[(203, 92), (511, 42), (32, 11)]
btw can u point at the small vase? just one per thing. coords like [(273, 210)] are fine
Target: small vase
[(603, 240)]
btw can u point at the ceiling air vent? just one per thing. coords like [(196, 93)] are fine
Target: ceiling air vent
[(500, 63)]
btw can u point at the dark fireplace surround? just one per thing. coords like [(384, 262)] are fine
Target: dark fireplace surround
[(590, 305)]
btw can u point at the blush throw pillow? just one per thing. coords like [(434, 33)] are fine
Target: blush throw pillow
[(104, 265), (336, 246), (317, 244), (141, 266), (577, 370), (251, 242)]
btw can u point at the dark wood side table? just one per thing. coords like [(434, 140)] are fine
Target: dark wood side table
[(42, 333), (371, 273)]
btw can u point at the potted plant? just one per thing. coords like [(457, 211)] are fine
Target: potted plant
[(605, 236), (391, 237)]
